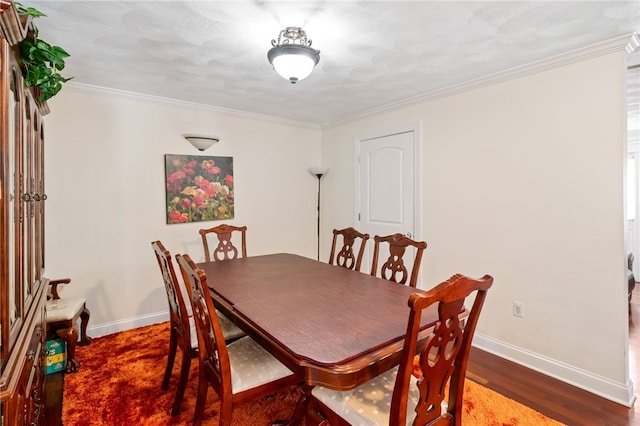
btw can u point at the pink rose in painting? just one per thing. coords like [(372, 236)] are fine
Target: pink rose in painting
[(198, 200), (207, 187), (228, 180), (190, 168), (177, 217), (174, 181), (209, 166)]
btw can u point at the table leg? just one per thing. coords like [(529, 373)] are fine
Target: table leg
[(300, 410)]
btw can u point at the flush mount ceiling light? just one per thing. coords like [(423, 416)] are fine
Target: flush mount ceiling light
[(292, 55), (201, 142)]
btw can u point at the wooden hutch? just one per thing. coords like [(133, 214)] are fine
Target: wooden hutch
[(23, 287)]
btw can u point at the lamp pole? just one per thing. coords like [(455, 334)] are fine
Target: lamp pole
[(319, 176), (318, 171)]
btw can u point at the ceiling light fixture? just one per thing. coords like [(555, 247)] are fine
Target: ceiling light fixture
[(201, 142), (292, 55)]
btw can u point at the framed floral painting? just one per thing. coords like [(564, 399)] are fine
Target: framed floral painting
[(198, 188)]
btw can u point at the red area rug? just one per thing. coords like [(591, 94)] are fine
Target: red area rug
[(119, 384)]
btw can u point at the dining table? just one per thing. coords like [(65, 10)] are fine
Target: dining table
[(332, 326)]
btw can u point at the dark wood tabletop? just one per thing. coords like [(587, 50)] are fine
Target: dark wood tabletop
[(334, 327)]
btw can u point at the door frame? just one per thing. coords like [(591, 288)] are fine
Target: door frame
[(416, 128), (632, 230)]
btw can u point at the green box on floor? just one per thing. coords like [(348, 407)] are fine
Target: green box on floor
[(56, 355)]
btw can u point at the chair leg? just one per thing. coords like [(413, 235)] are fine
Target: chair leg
[(84, 320), (182, 382), (201, 399), (173, 344), (70, 335), (225, 412)]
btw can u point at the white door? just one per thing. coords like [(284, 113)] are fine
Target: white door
[(386, 187)]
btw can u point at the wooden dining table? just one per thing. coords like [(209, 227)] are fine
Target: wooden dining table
[(333, 327)]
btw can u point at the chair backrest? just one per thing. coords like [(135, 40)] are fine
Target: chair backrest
[(394, 268), (445, 355), (214, 358), (225, 250), (178, 314), (345, 258)]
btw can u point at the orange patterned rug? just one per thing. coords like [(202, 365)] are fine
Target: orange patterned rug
[(119, 384)]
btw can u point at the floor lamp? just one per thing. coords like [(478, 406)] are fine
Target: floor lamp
[(319, 171)]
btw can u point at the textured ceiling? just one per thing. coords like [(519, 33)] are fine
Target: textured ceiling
[(372, 53)]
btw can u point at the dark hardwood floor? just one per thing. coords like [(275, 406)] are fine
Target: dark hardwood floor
[(556, 399), (551, 397)]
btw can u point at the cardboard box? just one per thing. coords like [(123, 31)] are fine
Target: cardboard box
[(56, 356)]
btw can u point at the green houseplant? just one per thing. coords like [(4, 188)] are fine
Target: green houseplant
[(42, 61)]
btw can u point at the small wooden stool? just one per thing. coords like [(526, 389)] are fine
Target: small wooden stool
[(62, 317)]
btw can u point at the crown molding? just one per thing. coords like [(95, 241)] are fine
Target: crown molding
[(99, 90), (627, 42)]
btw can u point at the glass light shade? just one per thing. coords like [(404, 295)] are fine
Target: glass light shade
[(293, 62), (318, 170), (293, 67), (201, 142)]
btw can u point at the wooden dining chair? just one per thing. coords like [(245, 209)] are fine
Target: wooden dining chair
[(225, 249), (182, 333), (426, 389), (63, 314), (394, 268), (345, 258), (238, 371)]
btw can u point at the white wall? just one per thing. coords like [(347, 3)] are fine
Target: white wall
[(106, 195), (523, 180)]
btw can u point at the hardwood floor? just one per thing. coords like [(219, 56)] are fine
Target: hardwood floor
[(556, 399), (551, 397)]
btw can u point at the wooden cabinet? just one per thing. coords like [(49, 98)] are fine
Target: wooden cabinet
[(23, 287)]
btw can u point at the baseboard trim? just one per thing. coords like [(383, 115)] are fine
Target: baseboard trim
[(100, 330), (622, 393)]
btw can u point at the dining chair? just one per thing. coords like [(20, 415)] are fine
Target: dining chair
[(345, 258), (62, 318), (225, 249), (394, 268), (427, 388), (182, 333), (239, 371)]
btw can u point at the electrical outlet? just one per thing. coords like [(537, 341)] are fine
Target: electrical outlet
[(518, 309)]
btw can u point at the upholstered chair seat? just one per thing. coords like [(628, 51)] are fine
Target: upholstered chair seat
[(370, 403), (229, 329), (252, 366), (63, 309)]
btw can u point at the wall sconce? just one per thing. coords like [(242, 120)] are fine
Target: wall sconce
[(201, 142)]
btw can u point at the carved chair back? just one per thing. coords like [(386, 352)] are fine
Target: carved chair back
[(346, 258), (225, 249), (394, 268), (180, 327), (178, 313), (443, 360), (214, 358)]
